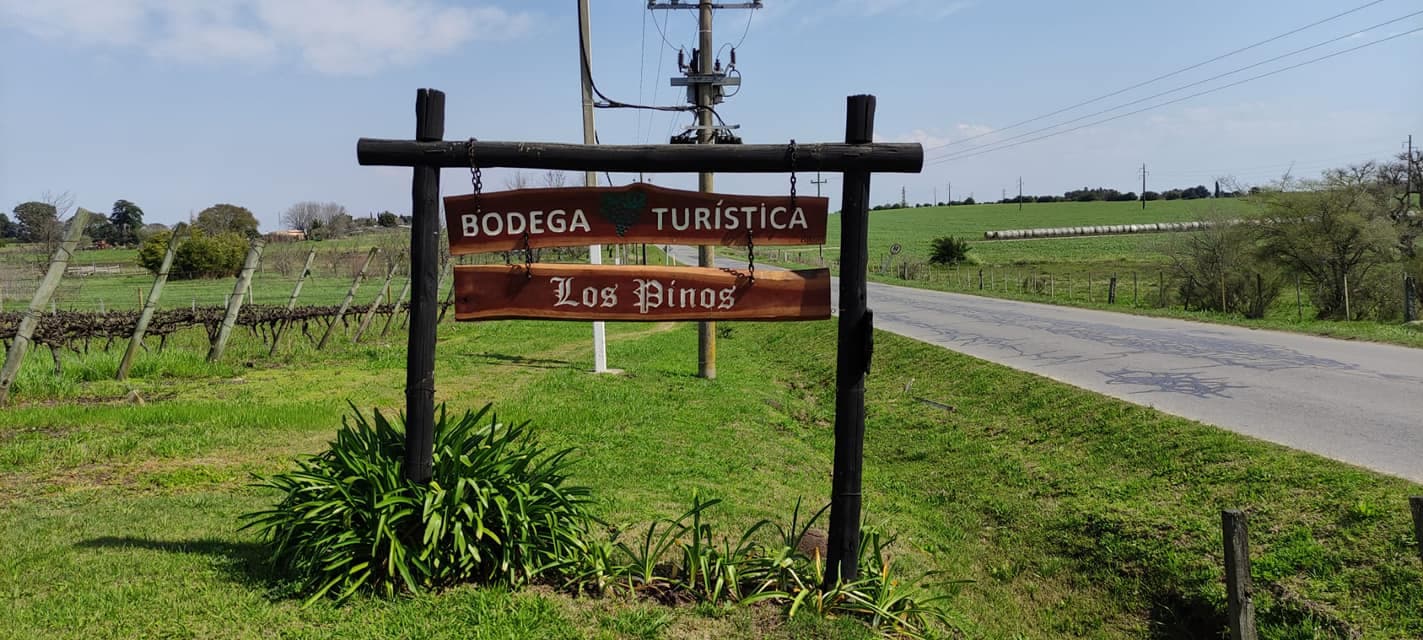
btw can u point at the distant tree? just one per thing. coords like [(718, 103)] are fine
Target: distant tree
[(126, 218), (309, 215), (1172, 194), (1195, 193), (200, 255), (1150, 195), (100, 230), (553, 179), (226, 218), (337, 226), (948, 250), (36, 221), (8, 229), (387, 219), (969, 200), (516, 181), (149, 229)]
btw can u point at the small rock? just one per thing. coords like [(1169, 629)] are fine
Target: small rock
[(134, 398), (814, 541)]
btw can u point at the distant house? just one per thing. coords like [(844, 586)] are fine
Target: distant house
[(286, 235)]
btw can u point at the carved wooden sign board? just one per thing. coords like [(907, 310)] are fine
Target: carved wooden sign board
[(539, 218)]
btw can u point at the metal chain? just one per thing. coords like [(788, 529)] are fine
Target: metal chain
[(528, 258), (476, 177)]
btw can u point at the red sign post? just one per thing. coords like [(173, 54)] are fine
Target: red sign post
[(635, 213), (638, 293)]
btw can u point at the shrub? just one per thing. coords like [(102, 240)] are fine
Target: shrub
[(1218, 271), (496, 510), (199, 255), (948, 250)]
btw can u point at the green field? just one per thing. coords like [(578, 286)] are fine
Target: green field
[(1074, 515), (915, 229), (1069, 271)]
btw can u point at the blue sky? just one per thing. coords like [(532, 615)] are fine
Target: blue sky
[(179, 104)]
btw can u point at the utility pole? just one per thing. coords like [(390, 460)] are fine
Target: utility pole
[(590, 178), (1408, 180), (817, 182), (903, 197), (1020, 193), (1143, 186), (951, 194), (705, 78)]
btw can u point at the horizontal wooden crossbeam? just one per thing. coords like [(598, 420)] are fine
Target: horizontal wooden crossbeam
[(647, 158)]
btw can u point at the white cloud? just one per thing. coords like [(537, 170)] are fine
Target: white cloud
[(330, 36), (935, 138)]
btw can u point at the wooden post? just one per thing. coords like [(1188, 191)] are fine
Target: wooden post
[(146, 316), (1348, 315), (1161, 287), (350, 295), (1051, 285), (852, 362), (1112, 290), (1415, 504), (381, 294), (291, 302), (234, 302), (1223, 309), (1135, 289), (980, 275), (20, 345), (1408, 299), (395, 311), (1089, 286), (1299, 302), (1239, 602), (424, 299)]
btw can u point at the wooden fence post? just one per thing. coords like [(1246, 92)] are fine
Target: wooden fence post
[(1299, 301), (1348, 315), (234, 302), (381, 294), (1161, 288), (1415, 503), (350, 295), (1239, 601), (31, 320), (1112, 290), (395, 310), (1134, 289), (980, 278), (146, 316), (291, 302), (1408, 299), (852, 362), (424, 297)]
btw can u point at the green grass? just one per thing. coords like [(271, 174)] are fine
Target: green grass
[(1074, 514)]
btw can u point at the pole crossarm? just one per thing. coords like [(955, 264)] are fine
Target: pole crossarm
[(650, 158)]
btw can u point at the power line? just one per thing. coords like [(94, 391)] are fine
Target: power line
[(661, 29), (1161, 77), (1187, 86), (977, 151)]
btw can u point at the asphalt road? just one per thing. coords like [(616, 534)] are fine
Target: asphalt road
[(1358, 402)]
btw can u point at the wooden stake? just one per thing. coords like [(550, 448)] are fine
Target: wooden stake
[(20, 345), (852, 363), (1240, 605), (234, 302), (350, 295), (144, 317), (291, 301), (381, 294), (395, 311)]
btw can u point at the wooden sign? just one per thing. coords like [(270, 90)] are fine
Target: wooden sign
[(635, 213), (628, 292)]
